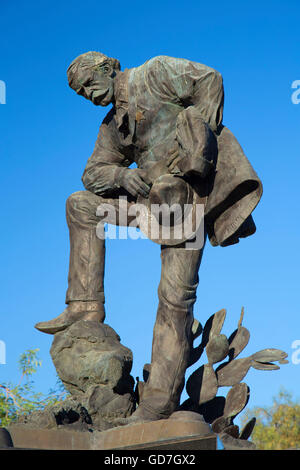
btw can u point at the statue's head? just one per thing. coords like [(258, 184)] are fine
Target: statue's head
[(92, 76)]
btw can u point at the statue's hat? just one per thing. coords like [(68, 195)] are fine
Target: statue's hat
[(173, 211)]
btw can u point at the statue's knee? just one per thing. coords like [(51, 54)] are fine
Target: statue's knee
[(81, 208), (181, 297), (74, 201)]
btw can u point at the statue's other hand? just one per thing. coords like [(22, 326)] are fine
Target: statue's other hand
[(173, 158), (132, 181)]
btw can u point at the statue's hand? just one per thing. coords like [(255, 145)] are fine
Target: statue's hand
[(173, 158), (132, 181)]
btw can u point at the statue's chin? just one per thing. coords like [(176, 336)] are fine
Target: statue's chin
[(102, 99)]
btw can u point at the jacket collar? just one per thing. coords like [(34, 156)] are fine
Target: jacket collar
[(121, 96)]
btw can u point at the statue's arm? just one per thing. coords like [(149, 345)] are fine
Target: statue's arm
[(101, 174), (199, 90)]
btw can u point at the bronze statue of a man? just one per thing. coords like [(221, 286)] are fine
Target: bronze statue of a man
[(168, 110)]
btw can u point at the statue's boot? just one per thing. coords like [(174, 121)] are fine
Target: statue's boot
[(141, 415), (93, 311), (171, 347), (85, 294), (170, 356)]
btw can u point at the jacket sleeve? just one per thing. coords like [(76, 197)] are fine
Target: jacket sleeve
[(199, 90), (104, 165)]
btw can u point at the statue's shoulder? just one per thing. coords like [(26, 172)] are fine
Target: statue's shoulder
[(109, 118), (161, 60), (163, 64)]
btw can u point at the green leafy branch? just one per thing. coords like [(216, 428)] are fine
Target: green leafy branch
[(20, 399)]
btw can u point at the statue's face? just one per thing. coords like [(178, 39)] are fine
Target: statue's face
[(96, 83)]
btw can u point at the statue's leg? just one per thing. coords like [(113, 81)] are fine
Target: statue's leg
[(85, 294), (87, 251), (172, 332)]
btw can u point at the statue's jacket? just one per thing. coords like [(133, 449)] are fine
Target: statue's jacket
[(162, 102)]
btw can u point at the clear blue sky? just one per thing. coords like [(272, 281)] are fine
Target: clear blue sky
[(47, 134)]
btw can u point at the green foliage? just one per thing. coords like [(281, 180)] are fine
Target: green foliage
[(20, 399), (278, 426)]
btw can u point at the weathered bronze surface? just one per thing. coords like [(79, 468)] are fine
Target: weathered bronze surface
[(166, 118), (187, 431), (5, 439)]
